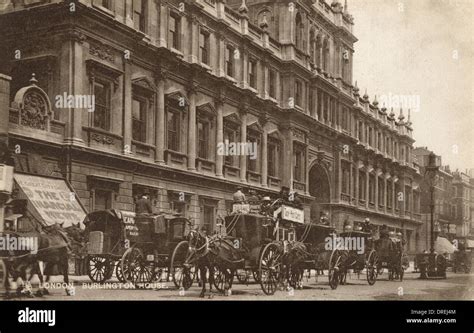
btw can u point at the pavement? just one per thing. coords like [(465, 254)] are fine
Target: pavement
[(455, 287)]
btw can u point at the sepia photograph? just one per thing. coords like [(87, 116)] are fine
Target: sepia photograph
[(208, 151)]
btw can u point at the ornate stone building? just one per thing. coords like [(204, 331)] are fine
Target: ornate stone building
[(172, 79)]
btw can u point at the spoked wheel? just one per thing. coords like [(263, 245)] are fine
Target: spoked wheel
[(98, 268), (256, 275), (243, 275), (223, 278), (3, 273), (270, 268), (371, 267), (182, 268), (119, 273), (138, 269), (295, 277), (334, 273)]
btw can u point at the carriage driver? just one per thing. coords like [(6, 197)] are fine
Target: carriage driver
[(143, 205), (239, 196)]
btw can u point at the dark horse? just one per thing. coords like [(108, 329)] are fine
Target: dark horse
[(53, 248), (216, 258)]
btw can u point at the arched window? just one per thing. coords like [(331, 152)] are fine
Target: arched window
[(299, 31)]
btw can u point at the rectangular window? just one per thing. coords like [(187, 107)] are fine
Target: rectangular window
[(252, 164), (230, 134), (102, 199), (139, 114), (101, 113), (252, 74), (204, 47), (272, 84), (203, 136), (173, 130), (372, 189), (362, 185), (299, 93), (272, 159), (208, 213), (139, 14), (229, 61), (174, 31), (299, 164)]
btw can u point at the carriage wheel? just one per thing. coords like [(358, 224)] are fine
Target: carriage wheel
[(371, 267), (139, 269), (98, 268), (243, 275), (119, 273), (223, 278), (334, 272), (256, 275), (182, 268), (3, 273), (270, 268)]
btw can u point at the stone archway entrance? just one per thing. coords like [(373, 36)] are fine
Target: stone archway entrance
[(320, 189)]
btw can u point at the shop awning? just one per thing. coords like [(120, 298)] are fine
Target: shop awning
[(50, 200), (443, 245)]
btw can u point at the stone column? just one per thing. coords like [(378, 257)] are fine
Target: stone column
[(243, 139), (351, 183), (73, 82), (357, 183), (219, 135), (264, 158), (160, 117), (194, 41), (385, 194), (367, 187), (192, 127), (339, 178), (394, 196), (221, 55), (127, 109), (376, 190), (163, 26)]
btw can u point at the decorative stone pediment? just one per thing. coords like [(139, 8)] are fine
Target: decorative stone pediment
[(145, 84), (207, 110), (232, 118), (177, 99), (34, 106)]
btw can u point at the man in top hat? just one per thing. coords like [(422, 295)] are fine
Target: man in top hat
[(143, 205), (284, 193), (239, 196)]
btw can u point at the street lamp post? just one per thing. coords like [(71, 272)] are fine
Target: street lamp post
[(434, 265)]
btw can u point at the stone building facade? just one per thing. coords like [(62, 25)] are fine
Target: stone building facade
[(173, 79)]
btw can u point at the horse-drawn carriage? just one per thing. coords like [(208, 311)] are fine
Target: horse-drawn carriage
[(391, 256), (317, 255), (256, 241), (138, 247), (358, 253)]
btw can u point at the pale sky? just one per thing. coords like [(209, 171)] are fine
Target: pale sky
[(422, 48)]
